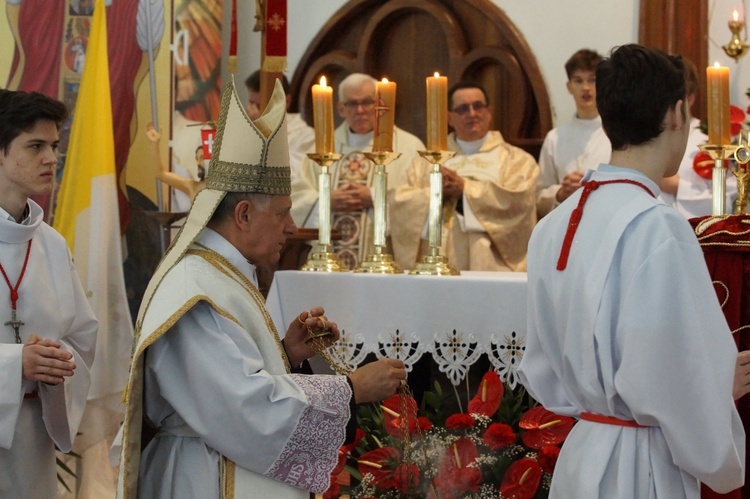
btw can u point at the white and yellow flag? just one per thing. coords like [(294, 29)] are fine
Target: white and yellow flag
[(87, 216)]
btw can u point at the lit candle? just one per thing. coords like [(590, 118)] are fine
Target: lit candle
[(718, 104), (735, 16), (323, 116), (437, 113), (385, 115)]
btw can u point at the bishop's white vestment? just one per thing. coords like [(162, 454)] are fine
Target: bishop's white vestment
[(34, 417), (214, 381), (632, 329)]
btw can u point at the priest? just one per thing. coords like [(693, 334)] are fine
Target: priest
[(489, 205), (48, 331), (232, 414)]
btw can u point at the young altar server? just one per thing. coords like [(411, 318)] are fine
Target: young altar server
[(47, 328), (233, 415), (625, 330)]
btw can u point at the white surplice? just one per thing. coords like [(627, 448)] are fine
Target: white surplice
[(52, 305), (218, 391), (632, 328), (576, 146)]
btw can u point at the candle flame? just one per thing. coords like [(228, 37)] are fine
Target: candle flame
[(384, 80), (437, 75), (717, 65), (323, 81), (735, 16)]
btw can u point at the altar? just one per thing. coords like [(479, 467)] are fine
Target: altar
[(453, 319)]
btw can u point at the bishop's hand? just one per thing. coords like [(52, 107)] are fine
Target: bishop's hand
[(43, 360), (306, 328)]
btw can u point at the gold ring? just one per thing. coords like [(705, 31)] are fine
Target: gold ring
[(299, 318)]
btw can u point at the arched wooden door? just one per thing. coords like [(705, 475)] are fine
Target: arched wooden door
[(408, 40)]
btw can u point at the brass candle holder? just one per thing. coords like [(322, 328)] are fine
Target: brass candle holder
[(380, 261), (719, 175), (324, 259), (742, 157), (736, 48), (434, 263)]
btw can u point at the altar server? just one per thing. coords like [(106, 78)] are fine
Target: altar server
[(47, 328), (625, 330), (210, 375)]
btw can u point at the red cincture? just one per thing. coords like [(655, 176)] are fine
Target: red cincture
[(575, 216), (598, 418), (14, 322)]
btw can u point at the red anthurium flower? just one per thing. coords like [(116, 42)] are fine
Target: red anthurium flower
[(406, 477), (703, 165), (459, 421), (547, 457), (395, 422), (377, 462), (488, 397), (736, 117), (457, 456), (544, 427), (498, 435), (736, 114), (521, 480), (468, 479)]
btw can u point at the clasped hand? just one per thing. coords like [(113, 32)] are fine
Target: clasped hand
[(353, 197), (453, 183), (43, 360)]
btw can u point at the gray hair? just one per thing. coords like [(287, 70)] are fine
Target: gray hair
[(261, 202), (354, 80)]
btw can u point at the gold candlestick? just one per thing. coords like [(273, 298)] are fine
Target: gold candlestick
[(742, 157), (324, 260), (719, 176), (380, 261), (434, 263)]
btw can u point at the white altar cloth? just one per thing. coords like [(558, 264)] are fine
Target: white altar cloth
[(453, 318)]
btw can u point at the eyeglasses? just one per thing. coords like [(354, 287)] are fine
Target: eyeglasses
[(464, 108), (352, 105)]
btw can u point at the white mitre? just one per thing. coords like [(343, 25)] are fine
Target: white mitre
[(248, 156)]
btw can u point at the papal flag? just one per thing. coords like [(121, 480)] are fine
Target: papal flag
[(87, 216)]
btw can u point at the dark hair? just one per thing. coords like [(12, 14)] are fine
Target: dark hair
[(635, 87), (691, 77), (466, 84), (19, 112), (253, 82), (583, 60)]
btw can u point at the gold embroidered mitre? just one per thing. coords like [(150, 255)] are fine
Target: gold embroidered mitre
[(248, 156), (251, 156)]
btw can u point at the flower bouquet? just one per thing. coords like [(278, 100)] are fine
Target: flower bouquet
[(502, 446)]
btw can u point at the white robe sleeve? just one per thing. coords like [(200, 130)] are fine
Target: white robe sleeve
[(207, 372), (69, 397), (677, 364), (11, 395)]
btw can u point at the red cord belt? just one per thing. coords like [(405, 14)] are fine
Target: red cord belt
[(598, 418)]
